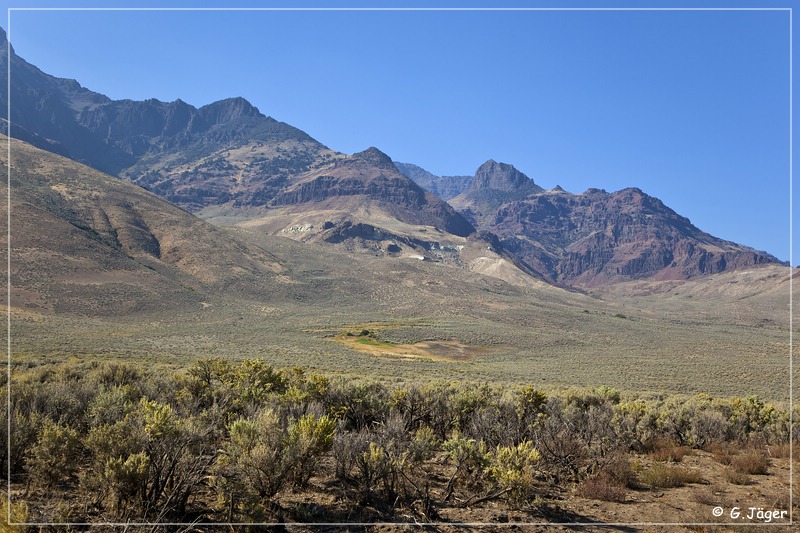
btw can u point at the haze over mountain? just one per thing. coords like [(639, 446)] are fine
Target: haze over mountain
[(231, 164)]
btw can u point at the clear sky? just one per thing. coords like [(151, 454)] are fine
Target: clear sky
[(690, 106)]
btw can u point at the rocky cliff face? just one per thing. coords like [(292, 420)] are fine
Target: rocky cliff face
[(445, 187), (493, 185), (371, 174), (229, 154), (596, 237), (181, 152)]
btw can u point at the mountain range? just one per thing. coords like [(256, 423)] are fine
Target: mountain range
[(230, 164)]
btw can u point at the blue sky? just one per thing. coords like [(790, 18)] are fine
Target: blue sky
[(690, 106)]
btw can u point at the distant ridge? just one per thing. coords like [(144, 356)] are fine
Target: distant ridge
[(445, 187), (231, 163), (595, 238)]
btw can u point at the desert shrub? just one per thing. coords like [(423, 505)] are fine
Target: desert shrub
[(112, 477), (359, 405), (46, 393), (55, 455), (530, 408), (376, 474), (252, 467), (423, 446), (634, 424), (206, 385), (125, 480), (752, 462), (263, 455), (618, 470), (251, 383), (24, 433), (675, 421), (708, 426), (468, 400), (780, 451), (601, 487), (497, 423), (666, 451), (308, 439), (347, 447), (469, 458), (302, 390), (117, 439), (664, 476), (111, 404), (708, 496), (751, 418), (440, 417), (573, 435), (178, 455), (723, 452), (410, 403), (380, 470), (610, 481), (116, 374), (513, 468), (695, 421), (736, 477), (17, 512)]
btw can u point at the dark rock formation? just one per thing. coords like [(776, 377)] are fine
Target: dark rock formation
[(596, 237), (445, 187), (372, 174)]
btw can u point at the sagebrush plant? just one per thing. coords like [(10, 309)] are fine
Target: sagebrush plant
[(308, 439), (55, 455), (513, 468), (18, 512), (138, 444)]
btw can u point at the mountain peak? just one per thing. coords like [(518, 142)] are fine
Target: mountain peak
[(375, 157), (229, 110), (502, 177)]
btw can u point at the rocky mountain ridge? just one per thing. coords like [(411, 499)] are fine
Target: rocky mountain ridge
[(173, 148), (229, 157), (596, 237), (445, 187)]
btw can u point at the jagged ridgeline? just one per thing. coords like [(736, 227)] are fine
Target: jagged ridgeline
[(225, 159), (594, 238)]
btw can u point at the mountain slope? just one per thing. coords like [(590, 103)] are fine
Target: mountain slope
[(371, 177), (445, 187), (191, 156), (81, 236), (595, 238), (102, 267), (227, 158)]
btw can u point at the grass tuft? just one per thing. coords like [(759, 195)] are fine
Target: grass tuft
[(663, 476)]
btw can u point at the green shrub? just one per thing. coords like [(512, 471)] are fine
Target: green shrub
[(55, 455), (513, 468), (308, 439)]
